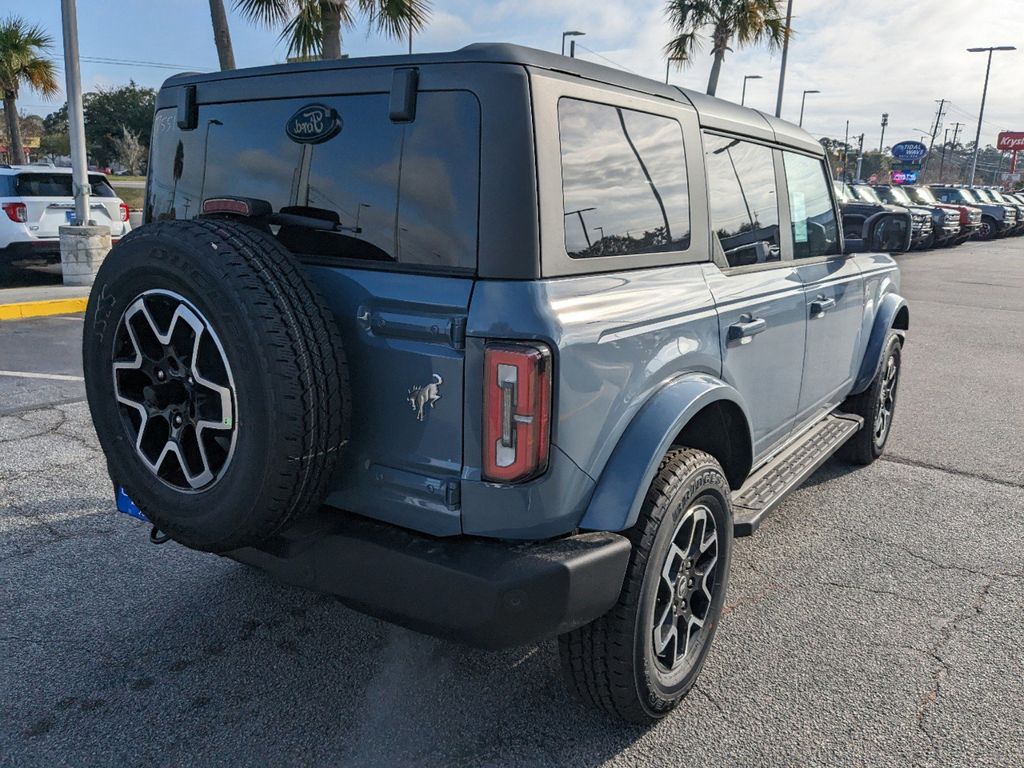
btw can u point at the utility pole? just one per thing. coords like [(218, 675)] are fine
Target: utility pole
[(860, 156), (981, 112), (935, 130), (942, 161), (952, 145), (881, 139), (846, 152), (785, 55)]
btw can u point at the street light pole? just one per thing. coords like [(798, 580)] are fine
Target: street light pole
[(984, 92), (785, 55), (881, 140), (743, 96), (570, 33), (803, 99), (76, 123)]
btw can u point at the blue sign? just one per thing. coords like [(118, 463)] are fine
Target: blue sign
[(910, 151), (313, 124), (904, 177)]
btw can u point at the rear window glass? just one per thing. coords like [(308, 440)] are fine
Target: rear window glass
[(57, 185), (624, 182), (394, 192)]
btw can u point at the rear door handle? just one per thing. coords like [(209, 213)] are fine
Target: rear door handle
[(746, 329), (821, 305)]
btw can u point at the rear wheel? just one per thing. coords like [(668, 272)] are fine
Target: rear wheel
[(876, 405), (641, 658)]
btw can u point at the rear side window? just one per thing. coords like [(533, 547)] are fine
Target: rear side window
[(815, 232), (57, 185), (744, 204), (624, 184), (395, 192)]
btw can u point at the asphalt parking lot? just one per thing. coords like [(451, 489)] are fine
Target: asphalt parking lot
[(877, 618)]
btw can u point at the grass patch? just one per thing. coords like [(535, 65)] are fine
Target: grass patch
[(135, 198)]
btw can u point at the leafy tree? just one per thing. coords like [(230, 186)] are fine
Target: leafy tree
[(747, 21), (23, 62), (313, 27), (129, 150)]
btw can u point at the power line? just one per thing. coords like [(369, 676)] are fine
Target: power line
[(132, 63), (613, 63)]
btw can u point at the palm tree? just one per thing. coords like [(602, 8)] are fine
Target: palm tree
[(222, 35), (22, 62), (313, 27), (748, 21)]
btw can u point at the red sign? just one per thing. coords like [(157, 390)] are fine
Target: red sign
[(1011, 140)]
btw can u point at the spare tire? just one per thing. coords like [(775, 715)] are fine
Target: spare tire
[(216, 380)]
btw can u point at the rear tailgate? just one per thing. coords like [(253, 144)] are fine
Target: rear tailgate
[(50, 204)]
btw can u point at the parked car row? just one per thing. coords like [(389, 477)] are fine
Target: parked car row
[(941, 215)]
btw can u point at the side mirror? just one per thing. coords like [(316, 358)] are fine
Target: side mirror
[(883, 232)]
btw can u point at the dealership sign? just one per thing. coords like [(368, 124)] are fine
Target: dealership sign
[(1012, 141), (909, 151), (904, 177)]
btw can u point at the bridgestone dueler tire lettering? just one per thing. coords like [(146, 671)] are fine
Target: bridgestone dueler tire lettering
[(289, 370)]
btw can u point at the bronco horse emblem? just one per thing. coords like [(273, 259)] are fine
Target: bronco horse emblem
[(428, 394)]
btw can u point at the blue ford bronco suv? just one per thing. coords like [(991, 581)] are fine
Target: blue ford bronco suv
[(494, 344)]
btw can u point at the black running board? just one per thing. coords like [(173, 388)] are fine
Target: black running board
[(769, 484)]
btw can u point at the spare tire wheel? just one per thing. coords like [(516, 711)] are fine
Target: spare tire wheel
[(216, 380)]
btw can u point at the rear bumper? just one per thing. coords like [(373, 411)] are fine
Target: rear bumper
[(36, 249), (482, 592), (31, 249)]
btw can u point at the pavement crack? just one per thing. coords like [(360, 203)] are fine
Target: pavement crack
[(711, 699), (950, 471), (862, 588), (943, 667), (925, 559)]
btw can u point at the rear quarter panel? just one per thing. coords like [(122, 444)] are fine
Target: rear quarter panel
[(616, 338)]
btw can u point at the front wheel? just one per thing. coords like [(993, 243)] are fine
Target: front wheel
[(641, 658)]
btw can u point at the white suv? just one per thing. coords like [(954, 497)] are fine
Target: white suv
[(36, 199)]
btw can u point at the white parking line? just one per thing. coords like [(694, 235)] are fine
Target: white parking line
[(50, 376)]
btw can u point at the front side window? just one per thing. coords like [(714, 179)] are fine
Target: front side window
[(815, 231), (624, 186), (744, 205)]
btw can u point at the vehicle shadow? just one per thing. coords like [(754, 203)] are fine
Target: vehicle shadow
[(132, 653)]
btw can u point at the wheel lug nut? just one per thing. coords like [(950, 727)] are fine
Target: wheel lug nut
[(177, 421), (160, 375)]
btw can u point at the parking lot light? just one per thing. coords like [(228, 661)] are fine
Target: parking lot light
[(984, 92), (803, 100), (743, 96), (570, 33)]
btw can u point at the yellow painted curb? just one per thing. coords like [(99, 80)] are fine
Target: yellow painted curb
[(25, 309)]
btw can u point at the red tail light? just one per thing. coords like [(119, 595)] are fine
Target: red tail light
[(16, 212), (124, 212), (517, 411)]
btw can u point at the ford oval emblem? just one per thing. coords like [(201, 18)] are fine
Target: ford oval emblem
[(313, 124)]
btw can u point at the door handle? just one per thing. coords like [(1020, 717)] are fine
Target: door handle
[(746, 329), (821, 305)]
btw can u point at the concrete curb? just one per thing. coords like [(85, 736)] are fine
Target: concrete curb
[(26, 309)]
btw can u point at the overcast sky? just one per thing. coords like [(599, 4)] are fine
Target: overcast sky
[(866, 57)]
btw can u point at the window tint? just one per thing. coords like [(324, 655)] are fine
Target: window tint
[(57, 185), (744, 205), (815, 232), (405, 192), (624, 182)]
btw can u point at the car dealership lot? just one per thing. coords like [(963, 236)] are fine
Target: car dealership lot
[(876, 618)]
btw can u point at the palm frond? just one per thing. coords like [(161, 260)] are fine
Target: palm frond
[(41, 74), (267, 13), (395, 18), (305, 32)]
